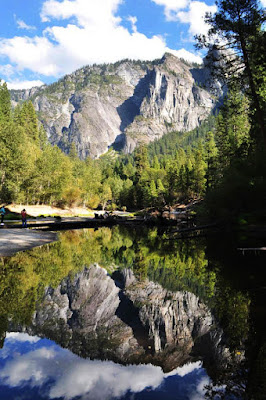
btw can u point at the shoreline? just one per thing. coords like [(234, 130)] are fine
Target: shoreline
[(13, 241)]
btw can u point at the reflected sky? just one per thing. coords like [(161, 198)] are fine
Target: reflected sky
[(35, 368)]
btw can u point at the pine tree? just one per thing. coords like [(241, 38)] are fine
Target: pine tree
[(232, 130), (211, 153), (27, 118), (5, 103), (141, 161), (73, 154), (238, 27), (198, 174)]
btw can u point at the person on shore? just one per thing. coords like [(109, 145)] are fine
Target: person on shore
[(24, 218), (2, 212)]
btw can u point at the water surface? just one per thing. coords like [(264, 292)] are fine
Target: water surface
[(133, 314)]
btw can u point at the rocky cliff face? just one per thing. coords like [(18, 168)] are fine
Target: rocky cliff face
[(140, 322), (122, 104)]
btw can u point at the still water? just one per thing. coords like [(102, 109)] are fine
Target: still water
[(133, 314)]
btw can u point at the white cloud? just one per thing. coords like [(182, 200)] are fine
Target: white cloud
[(70, 376), (22, 25), (263, 2), (86, 12), (171, 7), (93, 34), (73, 376), (23, 84), (96, 37), (7, 70), (193, 13), (186, 369), (30, 53), (186, 55), (195, 17), (133, 21), (21, 337), (199, 393)]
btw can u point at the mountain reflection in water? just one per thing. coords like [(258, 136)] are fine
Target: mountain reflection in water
[(129, 296)]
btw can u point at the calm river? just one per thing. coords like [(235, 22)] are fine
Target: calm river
[(133, 314)]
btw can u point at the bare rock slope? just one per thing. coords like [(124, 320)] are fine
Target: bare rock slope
[(122, 104)]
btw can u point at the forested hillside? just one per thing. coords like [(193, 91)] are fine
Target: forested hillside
[(34, 171)]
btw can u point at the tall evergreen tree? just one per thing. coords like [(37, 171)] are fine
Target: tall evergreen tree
[(238, 27), (5, 103), (27, 118), (211, 152)]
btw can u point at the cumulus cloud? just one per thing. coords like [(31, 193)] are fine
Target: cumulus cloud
[(73, 376), (186, 55), (69, 376), (93, 34), (21, 337), (186, 369), (195, 17), (86, 12), (188, 12), (171, 7), (22, 25), (199, 393), (133, 21), (23, 84), (36, 54), (7, 70)]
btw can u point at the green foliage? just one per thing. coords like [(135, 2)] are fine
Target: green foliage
[(5, 104), (237, 32), (33, 171), (237, 175), (172, 141)]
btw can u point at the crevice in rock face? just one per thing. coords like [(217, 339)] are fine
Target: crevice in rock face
[(69, 133), (128, 110), (163, 89), (119, 142), (129, 314)]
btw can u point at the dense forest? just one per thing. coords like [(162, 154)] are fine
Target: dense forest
[(222, 161)]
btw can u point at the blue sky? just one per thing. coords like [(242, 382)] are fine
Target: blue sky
[(42, 40)]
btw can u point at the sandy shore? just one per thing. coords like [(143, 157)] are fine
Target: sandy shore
[(14, 240), (36, 211)]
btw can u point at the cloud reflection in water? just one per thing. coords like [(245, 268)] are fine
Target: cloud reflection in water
[(62, 374)]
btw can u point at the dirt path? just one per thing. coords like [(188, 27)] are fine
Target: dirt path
[(14, 240)]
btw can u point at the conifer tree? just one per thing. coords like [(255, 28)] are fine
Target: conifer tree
[(238, 27), (27, 118), (232, 129), (5, 103), (198, 174), (141, 161), (211, 153)]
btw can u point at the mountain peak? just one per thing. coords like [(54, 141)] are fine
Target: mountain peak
[(121, 104)]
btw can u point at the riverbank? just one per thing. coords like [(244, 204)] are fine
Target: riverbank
[(45, 210), (15, 240)]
